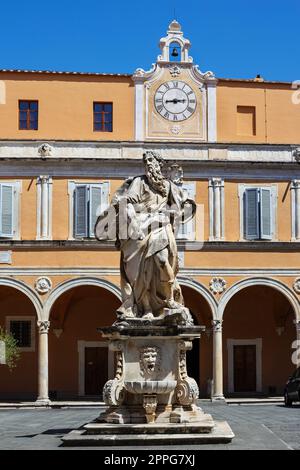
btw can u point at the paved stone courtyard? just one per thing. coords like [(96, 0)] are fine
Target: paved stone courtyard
[(255, 426)]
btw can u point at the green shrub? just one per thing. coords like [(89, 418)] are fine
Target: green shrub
[(12, 354)]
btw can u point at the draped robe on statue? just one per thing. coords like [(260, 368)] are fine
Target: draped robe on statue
[(144, 231)]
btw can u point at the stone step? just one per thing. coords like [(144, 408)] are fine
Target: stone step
[(205, 426), (221, 433)]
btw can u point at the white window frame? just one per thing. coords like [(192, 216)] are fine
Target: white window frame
[(274, 195), (244, 342), (32, 320), (16, 209), (71, 188)]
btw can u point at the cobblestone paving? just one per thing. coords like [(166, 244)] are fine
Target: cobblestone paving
[(256, 427)]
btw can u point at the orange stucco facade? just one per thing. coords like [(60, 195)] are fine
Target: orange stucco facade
[(276, 115), (249, 139), (66, 105)]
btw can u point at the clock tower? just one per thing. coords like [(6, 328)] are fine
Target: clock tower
[(175, 101)]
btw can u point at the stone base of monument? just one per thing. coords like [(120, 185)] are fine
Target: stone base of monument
[(94, 434), (151, 400)]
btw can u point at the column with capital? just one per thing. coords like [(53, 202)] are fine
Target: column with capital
[(43, 387), (217, 361)]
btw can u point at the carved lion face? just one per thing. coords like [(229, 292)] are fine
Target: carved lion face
[(149, 360)]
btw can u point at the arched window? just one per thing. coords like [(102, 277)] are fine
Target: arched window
[(174, 52)]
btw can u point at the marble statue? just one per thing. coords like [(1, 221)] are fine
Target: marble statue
[(144, 217), (151, 399)]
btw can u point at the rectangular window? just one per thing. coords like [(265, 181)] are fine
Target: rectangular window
[(28, 115), (103, 117), (258, 214), (23, 330), (246, 120), (89, 201)]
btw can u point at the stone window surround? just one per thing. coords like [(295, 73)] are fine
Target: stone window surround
[(17, 208), (244, 342), (274, 192), (81, 345), (32, 319), (71, 188)]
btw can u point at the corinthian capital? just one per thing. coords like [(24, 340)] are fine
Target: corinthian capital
[(217, 182), (296, 184), (43, 326), (216, 325)]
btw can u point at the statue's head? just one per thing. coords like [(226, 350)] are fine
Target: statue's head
[(151, 158), (153, 165), (149, 360)]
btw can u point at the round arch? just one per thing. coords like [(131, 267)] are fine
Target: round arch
[(259, 281), (82, 281), (202, 291), (26, 290)]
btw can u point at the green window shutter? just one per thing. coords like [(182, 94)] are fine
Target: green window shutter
[(81, 211), (95, 206), (6, 210), (186, 229), (266, 232), (251, 214)]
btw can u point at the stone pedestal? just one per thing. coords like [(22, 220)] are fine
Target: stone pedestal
[(151, 400)]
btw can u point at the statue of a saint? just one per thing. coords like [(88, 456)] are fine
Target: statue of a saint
[(143, 218)]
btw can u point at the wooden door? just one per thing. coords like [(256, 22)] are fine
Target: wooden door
[(96, 371), (244, 368)]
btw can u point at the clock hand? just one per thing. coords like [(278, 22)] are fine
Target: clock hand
[(175, 101)]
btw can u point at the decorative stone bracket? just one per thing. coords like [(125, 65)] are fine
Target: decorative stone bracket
[(113, 390), (187, 391)]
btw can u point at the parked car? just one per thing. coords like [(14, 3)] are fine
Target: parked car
[(292, 389)]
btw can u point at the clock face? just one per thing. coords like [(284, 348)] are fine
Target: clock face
[(175, 101)]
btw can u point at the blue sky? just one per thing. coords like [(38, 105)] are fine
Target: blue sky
[(235, 39)]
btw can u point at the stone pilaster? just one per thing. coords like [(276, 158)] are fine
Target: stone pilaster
[(216, 208), (43, 386), (295, 192), (44, 207)]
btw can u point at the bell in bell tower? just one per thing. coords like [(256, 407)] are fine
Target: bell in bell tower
[(174, 47)]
